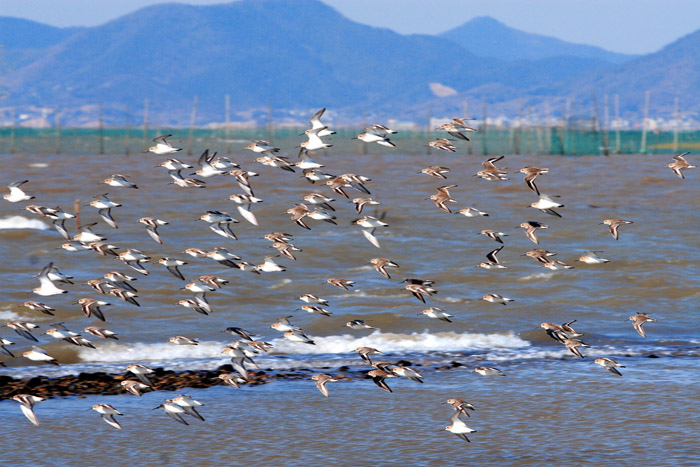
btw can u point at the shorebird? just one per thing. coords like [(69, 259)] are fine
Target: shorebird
[(206, 168), (270, 266), (86, 234), (220, 223), (313, 299), (419, 291), (16, 194), (171, 264), (365, 353), (133, 258), (120, 280), (679, 164), (244, 203), (358, 324), (609, 364), (24, 329), (195, 305), (459, 428), (340, 283), (407, 372), (152, 225), (488, 371), (280, 162), (314, 143), (492, 260), (134, 387), (531, 174), (614, 226), (546, 204), (47, 288), (315, 309), (27, 402), (378, 376), (38, 354), (443, 145), (490, 171), (185, 182), (108, 412), (182, 340), (539, 255), (173, 411), (188, 404), (3, 343), (141, 371), (296, 335), (443, 196), (283, 325), (591, 257), (437, 313), (380, 265), (376, 134), (215, 282), (360, 203), (435, 171), (530, 228), (472, 212), (36, 306), (174, 164), (573, 345), (91, 307), (457, 128), (316, 124), (104, 208), (559, 332), (639, 320), (58, 218), (321, 381), (286, 249), (493, 235), (262, 147), (460, 406), (232, 380), (222, 256), (101, 332), (495, 298), (163, 146), (119, 181)]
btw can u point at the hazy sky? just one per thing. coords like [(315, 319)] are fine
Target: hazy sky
[(631, 26)]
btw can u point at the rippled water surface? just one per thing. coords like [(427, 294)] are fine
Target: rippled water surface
[(551, 407)]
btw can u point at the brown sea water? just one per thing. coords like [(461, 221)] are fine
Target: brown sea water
[(551, 407)]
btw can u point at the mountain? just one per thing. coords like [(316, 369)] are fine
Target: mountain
[(487, 37), (673, 71), (297, 56), (23, 40)]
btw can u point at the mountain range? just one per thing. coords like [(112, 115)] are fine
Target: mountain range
[(297, 56)]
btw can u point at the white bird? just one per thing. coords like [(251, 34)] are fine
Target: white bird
[(27, 407), (39, 355), (163, 146), (459, 428), (16, 194), (119, 181), (108, 412), (188, 404), (316, 124), (546, 204), (270, 266), (47, 288), (173, 411)]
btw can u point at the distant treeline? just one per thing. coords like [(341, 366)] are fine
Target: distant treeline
[(487, 141)]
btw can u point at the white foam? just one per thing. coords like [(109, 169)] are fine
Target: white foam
[(538, 276), (38, 165), (109, 352), (140, 351), (9, 315), (391, 342), (20, 222)]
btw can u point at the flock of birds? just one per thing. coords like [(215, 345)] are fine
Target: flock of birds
[(315, 206)]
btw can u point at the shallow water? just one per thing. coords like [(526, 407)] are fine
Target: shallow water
[(653, 269)]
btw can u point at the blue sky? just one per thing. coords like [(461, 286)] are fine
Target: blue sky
[(629, 26)]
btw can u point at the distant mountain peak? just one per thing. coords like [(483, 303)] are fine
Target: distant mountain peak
[(488, 37)]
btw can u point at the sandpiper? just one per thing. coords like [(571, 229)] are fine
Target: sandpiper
[(639, 320), (437, 313), (38, 354), (443, 145), (108, 412), (37, 306), (573, 345), (101, 332), (420, 291), (679, 164), (340, 283), (495, 298), (119, 181), (472, 212), (461, 406), (435, 171), (609, 364), (490, 171), (459, 428), (546, 204), (48, 288), (614, 226), (134, 387), (380, 265), (530, 228), (591, 257), (321, 381), (91, 307), (493, 235), (492, 260), (359, 324), (27, 402), (163, 146), (365, 353), (531, 174), (488, 371), (443, 196), (16, 194), (140, 371), (152, 225), (104, 207), (378, 376)]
